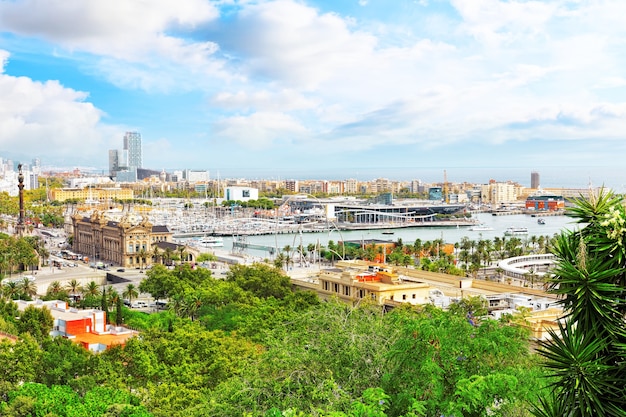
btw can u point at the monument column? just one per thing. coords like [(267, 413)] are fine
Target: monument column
[(20, 185)]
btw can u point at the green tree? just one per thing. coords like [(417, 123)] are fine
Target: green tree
[(130, 293), (206, 257), (261, 280), (62, 362), (156, 254), (119, 318), (28, 287), (91, 289), (20, 360), (36, 321), (74, 287)]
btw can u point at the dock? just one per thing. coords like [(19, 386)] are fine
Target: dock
[(246, 245)]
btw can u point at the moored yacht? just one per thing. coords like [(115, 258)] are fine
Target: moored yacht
[(212, 241), (480, 228)]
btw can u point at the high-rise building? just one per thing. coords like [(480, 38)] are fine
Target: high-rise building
[(292, 186), (534, 180), (114, 162), (132, 148)]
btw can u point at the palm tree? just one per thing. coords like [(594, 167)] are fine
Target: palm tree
[(279, 262), (168, 255), (73, 287), (182, 254), (156, 254), (191, 306), (130, 292), (11, 289), (54, 288), (28, 287), (143, 255), (177, 304), (92, 289), (310, 248)]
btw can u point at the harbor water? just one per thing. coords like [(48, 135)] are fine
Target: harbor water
[(553, 225)]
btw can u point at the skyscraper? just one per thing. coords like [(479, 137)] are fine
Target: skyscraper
[(132, 149), (534, 180), (114, 162)]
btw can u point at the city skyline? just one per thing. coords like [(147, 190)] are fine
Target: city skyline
[(557, 177), (286, 89)]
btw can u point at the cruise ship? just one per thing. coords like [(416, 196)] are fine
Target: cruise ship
[(516, 231)]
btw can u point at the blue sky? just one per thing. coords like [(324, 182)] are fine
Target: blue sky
[(300, 89)]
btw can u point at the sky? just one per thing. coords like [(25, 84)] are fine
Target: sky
[(318, 89)]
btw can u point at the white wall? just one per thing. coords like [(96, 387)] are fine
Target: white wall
[(241, 193)]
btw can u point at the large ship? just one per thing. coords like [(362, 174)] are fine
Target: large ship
[(516, 231), (212, 242)]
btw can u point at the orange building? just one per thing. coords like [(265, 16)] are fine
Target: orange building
[(87, 327), (545, 202)]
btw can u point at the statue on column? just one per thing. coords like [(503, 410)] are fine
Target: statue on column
[(20, 185)]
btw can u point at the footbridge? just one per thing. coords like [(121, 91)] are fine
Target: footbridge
[(520, 266)]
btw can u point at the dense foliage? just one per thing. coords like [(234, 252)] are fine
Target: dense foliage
[(248, 345), (20, 254)]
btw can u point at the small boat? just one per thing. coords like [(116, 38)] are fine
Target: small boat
[(541, 221), (516, 231), (480, 228), (387, 233)]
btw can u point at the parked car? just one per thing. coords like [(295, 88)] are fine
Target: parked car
[(139, 304)]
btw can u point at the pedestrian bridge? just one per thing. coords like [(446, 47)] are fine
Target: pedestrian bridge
[(521, 266)]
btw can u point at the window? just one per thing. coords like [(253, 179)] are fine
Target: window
[(404, 296), (130, 248), (336, 287), (346, 290), (413, 296)]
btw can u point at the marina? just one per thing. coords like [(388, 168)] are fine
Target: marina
[(266, 245)]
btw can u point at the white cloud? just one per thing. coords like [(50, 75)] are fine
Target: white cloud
[(263, 100), (279, 72), (120, 28), (260, 130), (138, 36), (50, 119), (293, 43), (498, 23)]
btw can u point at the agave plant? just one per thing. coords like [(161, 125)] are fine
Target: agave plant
[(587, 355)]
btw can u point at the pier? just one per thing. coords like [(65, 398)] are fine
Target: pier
[(245, 245)]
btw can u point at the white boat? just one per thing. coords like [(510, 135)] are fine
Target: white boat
[(212, 242), (480, 228), (540, 220), (516, 231)]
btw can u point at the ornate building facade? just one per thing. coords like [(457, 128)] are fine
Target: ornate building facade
[(129, 242)]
